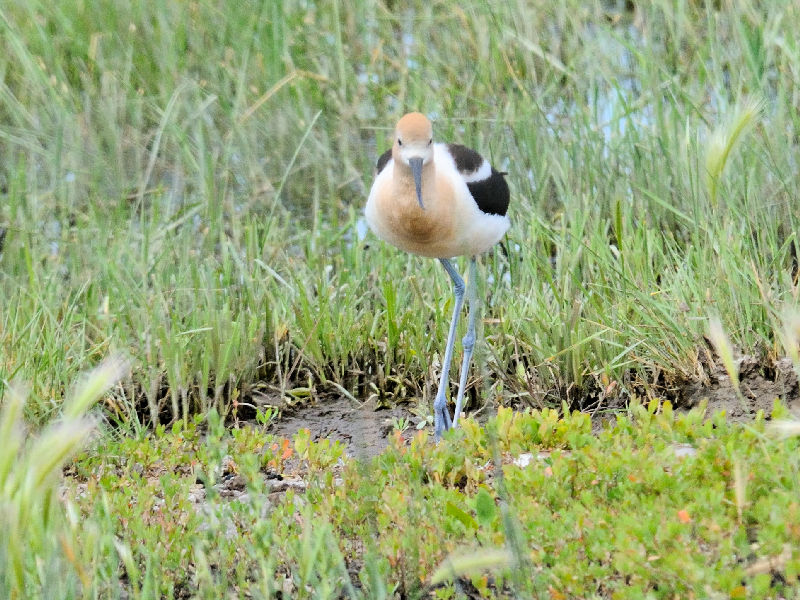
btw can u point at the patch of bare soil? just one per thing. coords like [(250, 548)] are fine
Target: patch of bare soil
[(759, 383), (365, 429), (362, 427)]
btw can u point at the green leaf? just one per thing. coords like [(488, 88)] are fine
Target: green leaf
[(455, 512), (484, 507)]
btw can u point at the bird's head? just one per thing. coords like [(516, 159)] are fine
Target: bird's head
[(413, 146)]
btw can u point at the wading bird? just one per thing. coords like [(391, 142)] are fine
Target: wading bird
[(440, 201)]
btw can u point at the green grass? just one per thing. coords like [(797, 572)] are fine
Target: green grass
[(181, 182)]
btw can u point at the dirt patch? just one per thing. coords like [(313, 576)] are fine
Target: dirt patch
[(365, 428), (362, 427), (760, 385)]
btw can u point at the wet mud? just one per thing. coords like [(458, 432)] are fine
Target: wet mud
[(365, 428)]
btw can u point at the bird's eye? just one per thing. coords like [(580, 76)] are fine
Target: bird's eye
[(399, 142), (430, 141)]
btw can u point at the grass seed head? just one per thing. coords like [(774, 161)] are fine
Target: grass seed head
[(791, 338), (723, 139), (722, 345), (470, 563)]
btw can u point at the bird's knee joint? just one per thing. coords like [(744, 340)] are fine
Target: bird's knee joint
[(468, 342), (459, 289)]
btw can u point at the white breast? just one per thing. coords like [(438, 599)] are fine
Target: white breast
[(383, 178)]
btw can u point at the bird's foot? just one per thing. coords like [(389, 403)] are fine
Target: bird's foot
[(441, 418)]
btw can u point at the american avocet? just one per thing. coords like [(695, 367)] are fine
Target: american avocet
[(440, 201)]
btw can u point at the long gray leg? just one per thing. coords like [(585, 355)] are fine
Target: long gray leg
[(441, 415), (469, 339)]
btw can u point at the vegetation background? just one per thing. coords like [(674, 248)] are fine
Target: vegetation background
[(182, 184)]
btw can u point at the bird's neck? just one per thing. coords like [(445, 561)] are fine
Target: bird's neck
[(404, 183)]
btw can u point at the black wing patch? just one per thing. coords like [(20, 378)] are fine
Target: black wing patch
[(491, 194), (466, 159), (383, 159)]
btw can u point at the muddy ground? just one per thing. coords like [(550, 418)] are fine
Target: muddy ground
[(760, 385), (364, 429)]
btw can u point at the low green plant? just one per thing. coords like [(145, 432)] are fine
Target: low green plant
[(659, 502)]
